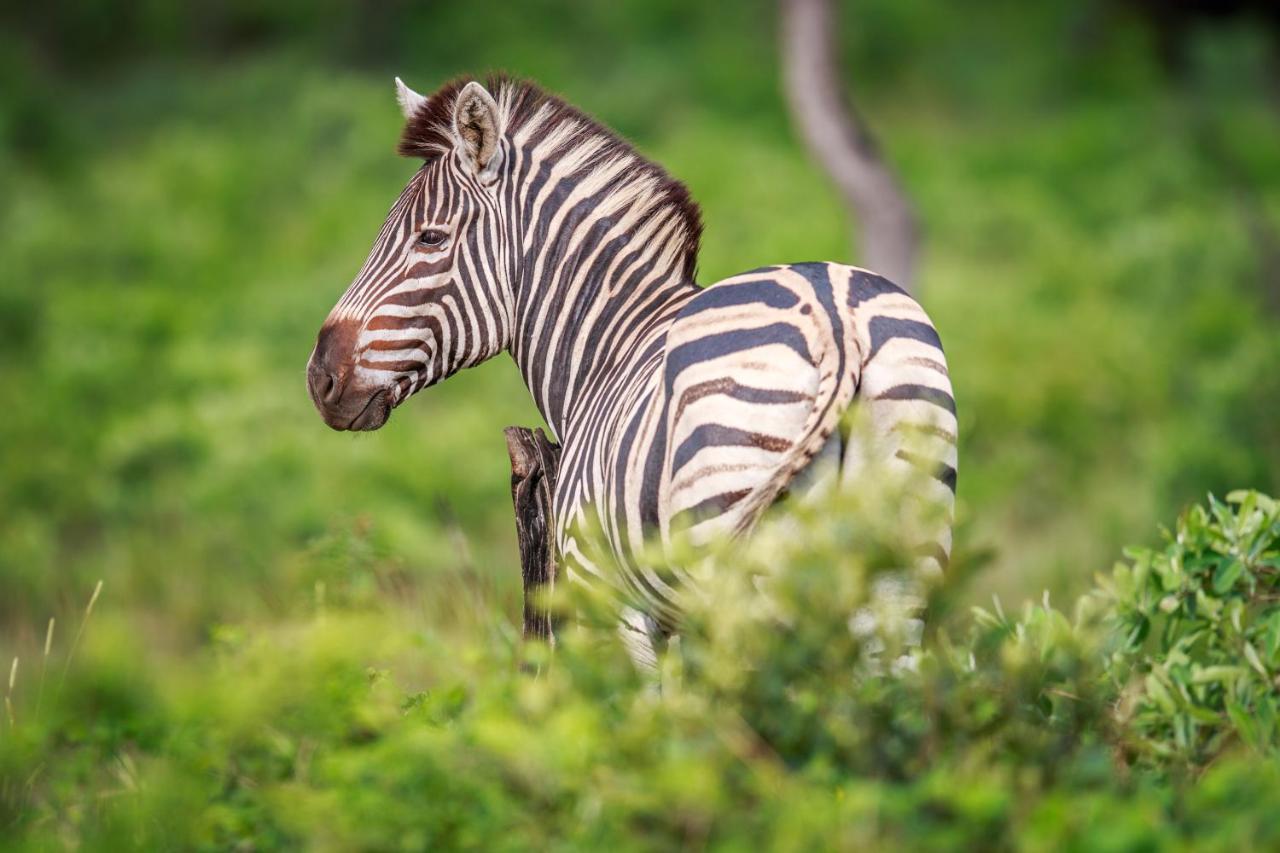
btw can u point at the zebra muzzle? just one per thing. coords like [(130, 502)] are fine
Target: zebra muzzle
[(339, 399)]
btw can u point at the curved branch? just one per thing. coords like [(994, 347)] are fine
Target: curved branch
[(842, 142)]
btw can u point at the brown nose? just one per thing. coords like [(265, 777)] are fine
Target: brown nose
[(324, 370), (321, 381)]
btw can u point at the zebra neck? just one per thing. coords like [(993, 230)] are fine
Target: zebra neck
[(596, 317)]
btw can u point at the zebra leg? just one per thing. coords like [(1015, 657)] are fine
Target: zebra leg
[(904, 430), (641, 637)]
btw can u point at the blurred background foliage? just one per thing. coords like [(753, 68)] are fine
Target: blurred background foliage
[(189, 189), (185, 190)]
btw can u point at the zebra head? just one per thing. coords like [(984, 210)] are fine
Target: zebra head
[(433, 295)]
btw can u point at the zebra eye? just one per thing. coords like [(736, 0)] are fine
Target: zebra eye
[(432, 237)]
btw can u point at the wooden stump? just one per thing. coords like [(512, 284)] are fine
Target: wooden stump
[(534, 461)]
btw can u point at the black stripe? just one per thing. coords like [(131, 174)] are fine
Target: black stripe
[(708, 508), (865, 285), (717, 435), (725, 387), (762, 291), (920, 392), (927, 429), (629, 434), (941, 471), (724, 343), (884, 329), (652, 477)]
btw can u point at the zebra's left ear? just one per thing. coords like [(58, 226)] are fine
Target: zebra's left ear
[(409, 100), (476, 124)]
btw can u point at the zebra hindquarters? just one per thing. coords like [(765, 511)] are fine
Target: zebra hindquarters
[(757, 373), (903, 430)]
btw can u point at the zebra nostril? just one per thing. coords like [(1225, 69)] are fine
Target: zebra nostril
[(330, 367), (330, 386), (322, 382)]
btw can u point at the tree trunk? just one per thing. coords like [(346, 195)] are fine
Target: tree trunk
[(842, 143), (534, 460)]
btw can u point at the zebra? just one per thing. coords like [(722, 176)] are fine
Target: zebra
[(681, 410)]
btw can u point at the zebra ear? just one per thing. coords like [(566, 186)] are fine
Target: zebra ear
[(475, 123), (410, 101)]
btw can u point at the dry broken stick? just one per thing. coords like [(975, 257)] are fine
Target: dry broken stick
[(534, 460)]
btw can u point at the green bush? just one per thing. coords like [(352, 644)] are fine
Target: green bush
[(1201, 625), (1140, 720)]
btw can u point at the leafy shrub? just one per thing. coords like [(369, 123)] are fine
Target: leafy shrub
[(777, 719), (1200, 661)]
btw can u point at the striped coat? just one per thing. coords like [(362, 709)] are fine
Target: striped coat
[(680, 410)]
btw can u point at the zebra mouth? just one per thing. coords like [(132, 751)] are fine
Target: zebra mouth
[(374, 414)]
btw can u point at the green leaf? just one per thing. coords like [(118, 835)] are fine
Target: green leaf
[(1139, 632), (1272, 634), (1251, 654), (1244, 723), (1203, 715), (1217, 674), (1160, 694), (1226, 575), (1210, 606)]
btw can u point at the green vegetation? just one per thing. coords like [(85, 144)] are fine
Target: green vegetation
[(305, 637), (777, 721)]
